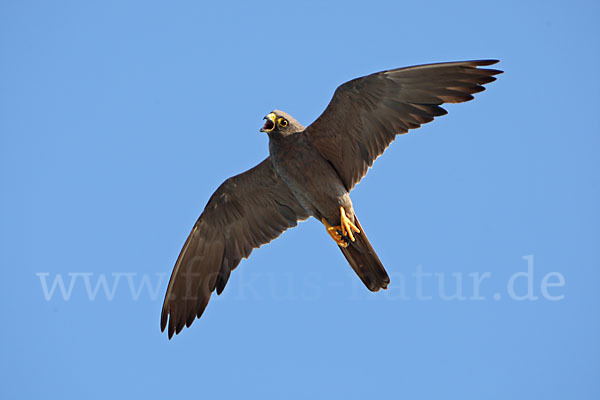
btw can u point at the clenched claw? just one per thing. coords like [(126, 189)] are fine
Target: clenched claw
[(341, 234), (347, 225)]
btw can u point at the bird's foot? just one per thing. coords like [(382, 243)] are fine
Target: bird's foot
[(336, 233), (342, 234)]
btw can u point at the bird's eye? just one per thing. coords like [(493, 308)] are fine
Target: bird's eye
[(283, 122)]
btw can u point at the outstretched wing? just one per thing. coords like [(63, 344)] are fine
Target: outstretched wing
[(365, 114), (246, 211)]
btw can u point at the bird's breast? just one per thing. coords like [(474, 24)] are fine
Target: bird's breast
[(309, 176)]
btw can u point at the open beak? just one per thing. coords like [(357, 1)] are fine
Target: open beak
[(269, 123)]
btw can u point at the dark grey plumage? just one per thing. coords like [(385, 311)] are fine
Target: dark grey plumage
[(246, 211), (310, 172), (365, 114)]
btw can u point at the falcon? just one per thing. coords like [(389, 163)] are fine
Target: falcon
[(310, 172)]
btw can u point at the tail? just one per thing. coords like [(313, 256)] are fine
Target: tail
[(364, 261)]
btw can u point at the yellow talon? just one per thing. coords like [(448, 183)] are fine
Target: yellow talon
[(340, 234), (347, 225), (334, 232)]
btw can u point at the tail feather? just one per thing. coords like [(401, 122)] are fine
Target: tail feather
[(364, 261)]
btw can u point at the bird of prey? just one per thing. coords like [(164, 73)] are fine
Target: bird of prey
[(310, 172)]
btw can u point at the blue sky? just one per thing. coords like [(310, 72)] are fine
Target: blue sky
[(119, 119)]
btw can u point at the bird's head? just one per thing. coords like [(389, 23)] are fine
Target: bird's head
[(281, 123)]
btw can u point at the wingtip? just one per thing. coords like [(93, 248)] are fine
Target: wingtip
[(171, 328), (494, 71), (164, 316), (489, 61), (490, 71), (163, 325)]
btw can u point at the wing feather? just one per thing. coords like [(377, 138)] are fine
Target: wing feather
[(245, 212), (365, 114)]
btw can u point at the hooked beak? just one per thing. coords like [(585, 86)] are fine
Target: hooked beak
[(269, 123)]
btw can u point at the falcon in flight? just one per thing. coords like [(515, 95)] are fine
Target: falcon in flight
[(310, 172)]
